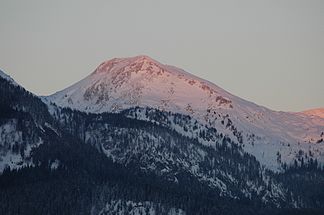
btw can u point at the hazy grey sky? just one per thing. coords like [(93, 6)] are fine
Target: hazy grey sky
[(270, 52)]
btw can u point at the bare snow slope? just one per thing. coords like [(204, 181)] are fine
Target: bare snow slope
[(319, 112), (121, 83)]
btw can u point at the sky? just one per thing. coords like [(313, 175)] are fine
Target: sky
[(269, 52)]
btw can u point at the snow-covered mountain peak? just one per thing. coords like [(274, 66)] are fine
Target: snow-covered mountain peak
[(131, 64), (124, 83)]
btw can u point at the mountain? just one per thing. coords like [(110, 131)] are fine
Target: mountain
[(142, 160), (45, 169), (273, 137)]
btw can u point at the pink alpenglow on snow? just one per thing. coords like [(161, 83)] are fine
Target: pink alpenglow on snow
[(319, 112)]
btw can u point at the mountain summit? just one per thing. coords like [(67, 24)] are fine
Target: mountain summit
[(123, 83), (137, 63)]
